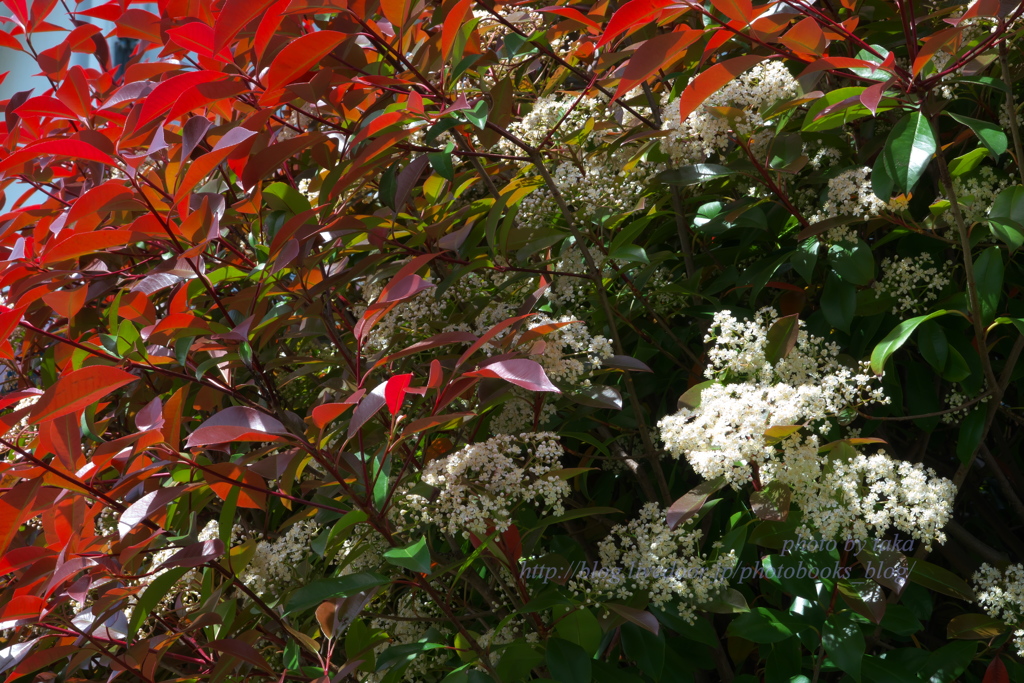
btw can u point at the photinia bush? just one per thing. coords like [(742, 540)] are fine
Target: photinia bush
[(453, 341)]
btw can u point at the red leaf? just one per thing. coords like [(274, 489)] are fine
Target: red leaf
[(23, 607), (522, 372), (981, 8), (86, 243), (654, 54), (204, 94), (737, 10), (575, 15), (139, 24), (298, 57), (367, 408), (242, 650), (204, 165), (826, 63), (14, 506), (634, 14), (327, 412), (150, 504), (111, 195), (872, 95), (224, 476), (79, 389), (641, 618), (198, 37), (806, 38), (394, 391), (75, 149), (932, 44), (996, 671), (268, 26), (452, 24), (167, 93), (66, 303), (47, 107), (396, 11), (234, 16), (711, 81), (237, 423), (195, 555)]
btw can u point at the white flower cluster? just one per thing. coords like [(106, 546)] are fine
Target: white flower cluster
[(645, 555), (976, 192), (273, 566), (602, 182), (736, 108), (863, 496), (725, 434), (553, 117), (913, 281), (1001, 595), (480, 485), (414, 614), (850, 194), (517, 413)]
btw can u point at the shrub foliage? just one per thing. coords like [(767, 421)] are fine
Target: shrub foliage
[(623, 341)]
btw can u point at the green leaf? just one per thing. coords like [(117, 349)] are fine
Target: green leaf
[(759, 625), (631, 253), (781, 338), (644, 648), (972, 429), (882, 181), (988, 274), (844, 643), (933, 345), (975, 627), (940, 580), (580, 627), (855, 264), (909, 149), (991, 135), (948, 662), (156, 591), (838, 302), (442, 163), (568, 662), (477, 115), (897, 338), (517, 661), (1006, 217), (805, 258), (315, 592), (967, 162), (415, 557)]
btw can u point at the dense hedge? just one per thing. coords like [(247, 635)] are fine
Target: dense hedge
[(646, 341)]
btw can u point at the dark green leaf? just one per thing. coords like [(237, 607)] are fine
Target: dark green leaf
[(312, 594), (972, 429), (855, 264), (781, 338), (1006, 217), (991, 135), (580, 627), (844, 643), (897, 338), (838, 302), (909, 149), (415, 557), (988, 274), (568, 662), (644, 648), (759, 625)]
